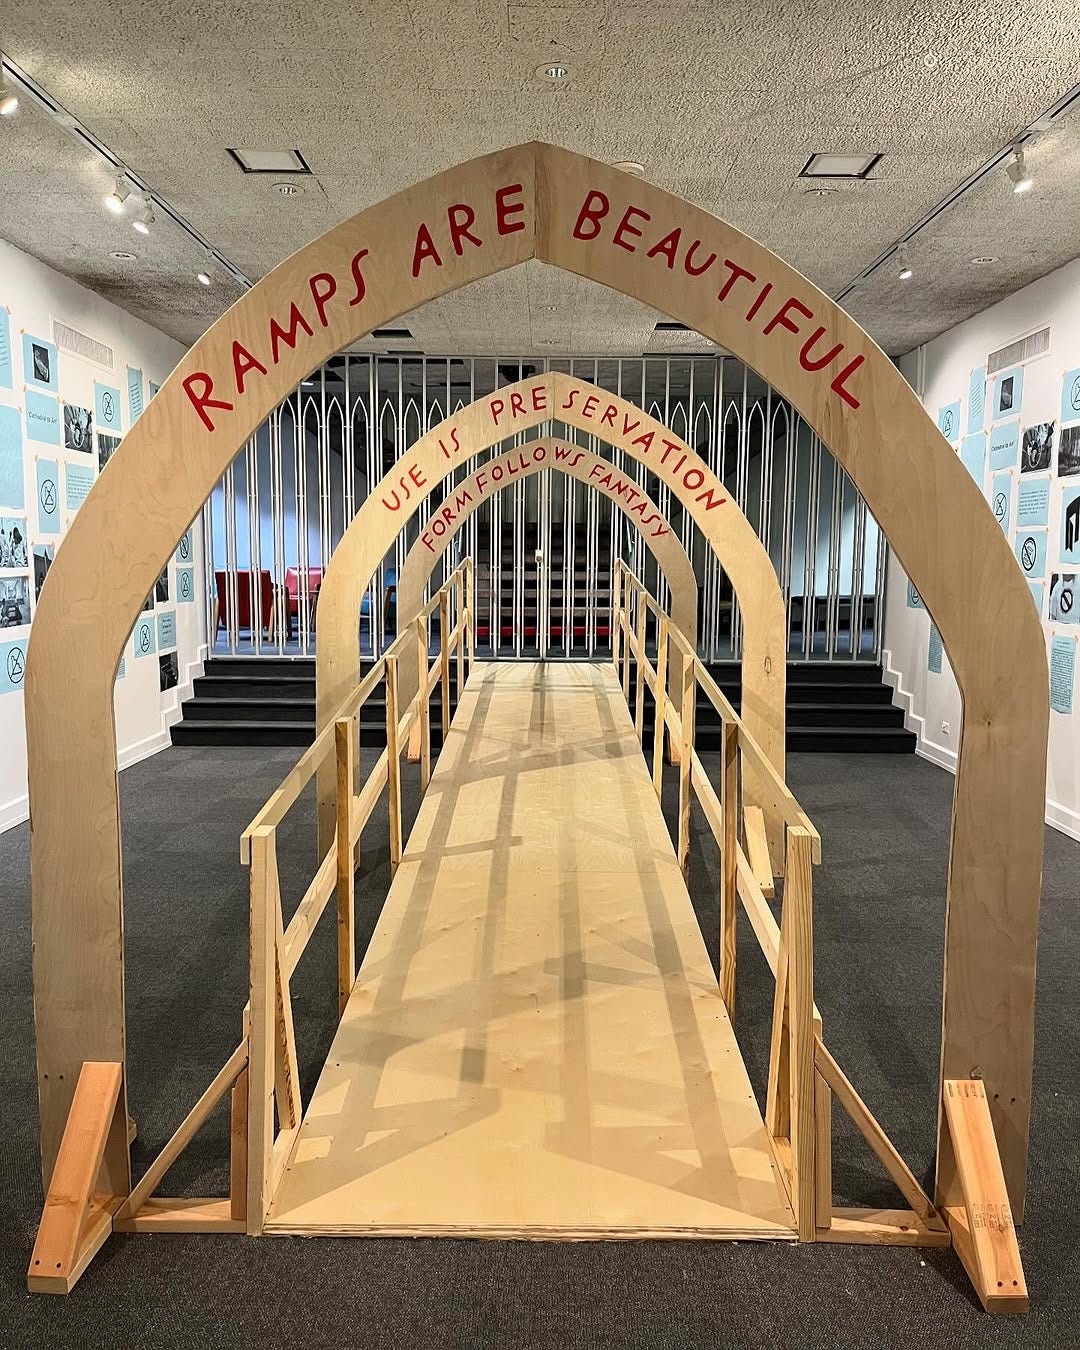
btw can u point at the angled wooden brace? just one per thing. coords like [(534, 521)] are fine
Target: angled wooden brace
[(982, 1226), (75, 1221)]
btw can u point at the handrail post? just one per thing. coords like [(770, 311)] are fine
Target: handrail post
[(626, 638), (799, 921), (262, 978), (393, 761), (639, 687), (459, 596), (444, 660), (729, 805), (424, 701), (345, 750), (471, 588), (660, 700), (616, 614), (687, 702)]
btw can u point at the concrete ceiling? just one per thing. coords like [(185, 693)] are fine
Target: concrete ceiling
[(722, 103)]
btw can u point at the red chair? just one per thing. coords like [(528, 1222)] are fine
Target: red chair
[(292, 591), (244, 605)]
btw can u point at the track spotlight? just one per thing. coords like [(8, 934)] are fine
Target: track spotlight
[(9, 100), (117, 197), (203, 278), (1017, 171), (905, 267), (144, 219)]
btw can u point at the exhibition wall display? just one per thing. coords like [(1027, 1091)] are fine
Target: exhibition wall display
[(63, 412), (1017, 431)]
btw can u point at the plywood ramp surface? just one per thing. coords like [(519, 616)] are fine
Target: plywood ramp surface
[(535, 1045)]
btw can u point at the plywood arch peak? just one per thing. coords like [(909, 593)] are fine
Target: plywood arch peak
[(539, 201), (509, 413)]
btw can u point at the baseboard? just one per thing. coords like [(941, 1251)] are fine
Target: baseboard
[(1063, 818), (14, 812), (1058, 817), (149, 745)]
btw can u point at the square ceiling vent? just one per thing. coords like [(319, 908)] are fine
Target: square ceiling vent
[(270, 161), (839, 166)]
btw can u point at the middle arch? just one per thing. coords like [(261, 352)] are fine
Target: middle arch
[(503, 472), (541, 399)]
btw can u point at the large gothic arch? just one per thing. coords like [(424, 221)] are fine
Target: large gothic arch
[(539, 201)]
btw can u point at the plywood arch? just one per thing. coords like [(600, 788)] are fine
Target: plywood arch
[(539, 201), (509, 413), (495, 476)]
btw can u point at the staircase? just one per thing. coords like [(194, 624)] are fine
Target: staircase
[(256, 700)]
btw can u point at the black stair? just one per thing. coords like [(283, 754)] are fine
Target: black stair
[(255, 700)]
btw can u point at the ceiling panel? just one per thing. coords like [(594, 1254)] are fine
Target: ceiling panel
[(723, 103)]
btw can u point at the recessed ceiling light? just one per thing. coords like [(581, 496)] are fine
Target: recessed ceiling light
[(819, 191), (905, 267), (1017, 171), (630, 166), (117, 197), (288, 189), (270, 161), (839, 166), (554, 71), (202, 277), (985, 259), (122, 255)]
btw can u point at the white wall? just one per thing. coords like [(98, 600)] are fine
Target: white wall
[(939, 372), (34, 295)]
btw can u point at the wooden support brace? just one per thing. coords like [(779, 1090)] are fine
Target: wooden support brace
[(444, 661), (639, 656), (75, 1222), (797, 922), (660, 694), (393, 750), (982, 1226), (238, 1151), (729, 803), (345, 748), (757, 849), (421, 732), (685, 759)]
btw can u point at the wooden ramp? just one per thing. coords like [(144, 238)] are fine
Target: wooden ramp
[(535, 1046)]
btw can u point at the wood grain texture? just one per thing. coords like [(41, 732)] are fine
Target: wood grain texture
[(982, 1226), (502, 472), (540, 201), (536, 1045)]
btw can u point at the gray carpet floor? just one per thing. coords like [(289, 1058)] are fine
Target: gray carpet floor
[(879, 917)]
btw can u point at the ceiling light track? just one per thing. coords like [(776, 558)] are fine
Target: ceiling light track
[(1006, 155), (26, 85)]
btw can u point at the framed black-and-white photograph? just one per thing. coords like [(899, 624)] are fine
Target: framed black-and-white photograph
[(78, 429), (42, 363), (1037, 449), (161, 586), (13, 541), (1006, 393), (1063, 598), (1069, 451), (43, 560), (106, 448), (14, 602), (169, 671)]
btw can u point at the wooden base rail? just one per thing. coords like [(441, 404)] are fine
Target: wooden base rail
[(804, 1078)]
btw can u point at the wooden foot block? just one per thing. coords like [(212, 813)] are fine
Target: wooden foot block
[(161, 1214), (982, 1226)]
